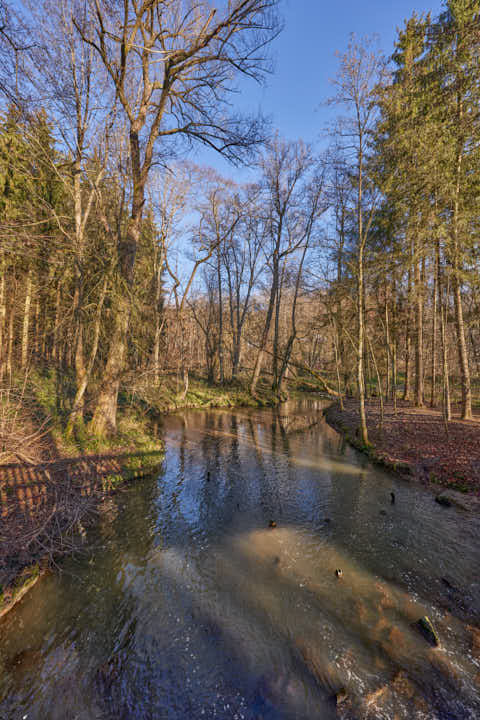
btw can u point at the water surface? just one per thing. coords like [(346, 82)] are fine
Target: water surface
[(191, 606)]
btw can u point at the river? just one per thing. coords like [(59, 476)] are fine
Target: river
[(187, 604)]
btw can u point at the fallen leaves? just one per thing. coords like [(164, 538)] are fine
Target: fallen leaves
[(416, 437)]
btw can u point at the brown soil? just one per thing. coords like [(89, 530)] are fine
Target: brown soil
[(416, 441)]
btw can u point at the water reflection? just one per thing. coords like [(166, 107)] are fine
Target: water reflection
[(191, 606)]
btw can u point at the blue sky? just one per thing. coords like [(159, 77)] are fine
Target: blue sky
[(305, 59)]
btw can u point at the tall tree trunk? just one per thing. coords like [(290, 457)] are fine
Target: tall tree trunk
[(37, 346), (340, 322), (367, 376), (11, 339), (434, 327), (419, 393), (158, 314), (3, 320), (220, 320), (342, 356), (156, 348), (26, 319), (361, 298), (266, 328), (379, 382), (457, 267), (462, 351), (56, 351), (394, 344), (78, 353), (446, 383), (361, 345), (293, 328), (78, 402), (77, 309), (275, 342), (388, 347), (276, 334), (183, 364), (407, 392), (104, 418), (234, 315), (105, 413), (443, 298), (81, 379), (337, 363), (237, 350)]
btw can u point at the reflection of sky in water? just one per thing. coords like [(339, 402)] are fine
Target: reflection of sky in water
[(195, 608)]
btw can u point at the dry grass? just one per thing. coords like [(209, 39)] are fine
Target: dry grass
[(24, 437)]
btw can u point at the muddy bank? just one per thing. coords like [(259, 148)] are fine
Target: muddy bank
[(414, 444)]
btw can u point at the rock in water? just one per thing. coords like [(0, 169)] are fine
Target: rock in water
[(425, 626), (444, 501)]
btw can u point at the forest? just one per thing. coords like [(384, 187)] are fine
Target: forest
[(133, 277), (239, 371)]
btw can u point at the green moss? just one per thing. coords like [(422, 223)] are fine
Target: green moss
[(131, 467), (112, 482), (24, 579), (167, 396), (143, 463)]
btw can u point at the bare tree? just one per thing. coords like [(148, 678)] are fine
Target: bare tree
[(15, 42), (172, 65), (314, 205), (170, 195), (361, 71), (212, 232), (221, 208), (340, 195), (284, 167), (243, 262)]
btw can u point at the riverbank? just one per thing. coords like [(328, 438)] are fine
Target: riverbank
[(36, 408), (416, 444)]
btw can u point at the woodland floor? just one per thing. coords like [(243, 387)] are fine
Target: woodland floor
[(417, 438)]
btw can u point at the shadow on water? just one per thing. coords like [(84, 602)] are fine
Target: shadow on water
[(191, 606)]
